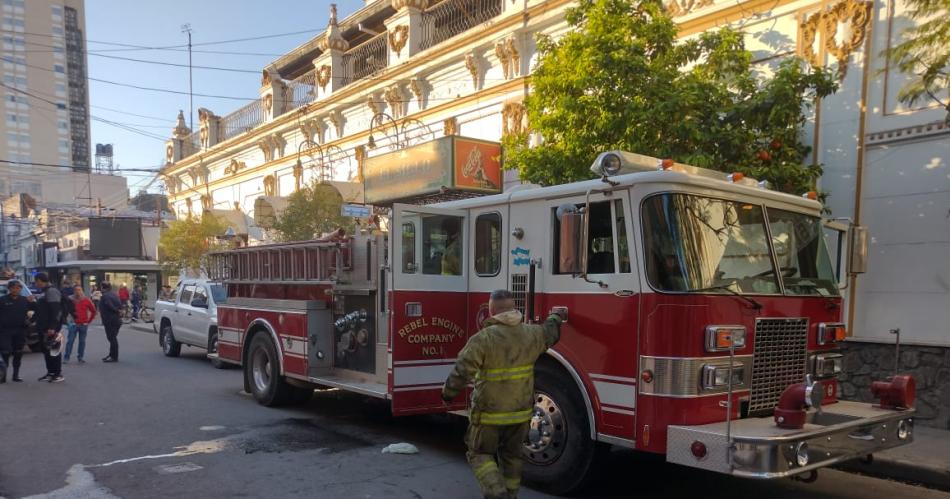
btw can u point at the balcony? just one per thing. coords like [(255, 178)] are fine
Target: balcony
[(454, 17)]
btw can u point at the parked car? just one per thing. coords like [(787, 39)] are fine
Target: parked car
[(190, 317), (32, 335)]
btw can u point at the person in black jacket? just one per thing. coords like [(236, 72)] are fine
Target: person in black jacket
[(49, 320), (13, 309), (110, 309)]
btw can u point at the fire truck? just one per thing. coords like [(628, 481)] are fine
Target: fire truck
[(704, 318)]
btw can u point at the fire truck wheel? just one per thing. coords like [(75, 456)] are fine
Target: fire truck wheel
[(170, 347), (213, 348), (559, 455), (263, 373)]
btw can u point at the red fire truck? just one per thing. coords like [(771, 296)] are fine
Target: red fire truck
[(704, 318)]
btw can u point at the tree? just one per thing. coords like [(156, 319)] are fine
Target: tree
[(184, 245), (311, 211), (620, 79), (925, 54)]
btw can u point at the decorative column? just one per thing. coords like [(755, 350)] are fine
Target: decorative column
[(273, 95), (404, 30), (176, 148), (330, 73)]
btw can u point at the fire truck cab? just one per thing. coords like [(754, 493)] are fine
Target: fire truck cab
[(703, 318)]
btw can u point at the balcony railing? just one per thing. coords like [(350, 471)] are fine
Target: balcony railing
[(302, 90), (240, 121), (452, 17), (365, 59)]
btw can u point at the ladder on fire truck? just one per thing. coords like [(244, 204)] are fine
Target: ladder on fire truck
[(295, 262)]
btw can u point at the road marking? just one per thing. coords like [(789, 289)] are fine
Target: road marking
[(170, 469), (79, 483), (212, 428)]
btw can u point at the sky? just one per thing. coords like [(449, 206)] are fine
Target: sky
[(158, 23)]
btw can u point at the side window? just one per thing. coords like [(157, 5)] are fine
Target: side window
[(200, 297), (442, 245), (606, 221), (186, 294), (488, 244), (409, 265)]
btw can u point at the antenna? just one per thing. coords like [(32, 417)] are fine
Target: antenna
[(186, 28)]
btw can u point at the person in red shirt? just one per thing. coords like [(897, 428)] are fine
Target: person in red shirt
[(84, 311)]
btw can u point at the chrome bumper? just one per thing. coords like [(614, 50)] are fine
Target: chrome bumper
[(842, 431)]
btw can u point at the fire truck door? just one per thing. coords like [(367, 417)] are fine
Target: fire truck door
[(429, 301)]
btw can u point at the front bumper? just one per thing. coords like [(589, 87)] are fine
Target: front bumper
[(841, 431)]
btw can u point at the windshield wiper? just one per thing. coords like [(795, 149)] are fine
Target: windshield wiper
[(725, 287)]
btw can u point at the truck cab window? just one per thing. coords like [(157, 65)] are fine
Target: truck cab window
[(605, 222), (409, 265), (440, 251), (186, 294), (488, 244)]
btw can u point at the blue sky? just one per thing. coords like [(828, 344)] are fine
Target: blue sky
[(157, 23)]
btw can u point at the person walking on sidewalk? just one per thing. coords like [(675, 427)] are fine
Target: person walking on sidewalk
[(49, 320), (110, 308), (13, 309), (124, 296), (136, 300), (96, 296), (84, 311)]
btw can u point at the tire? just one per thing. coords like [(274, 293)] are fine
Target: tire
[(213, 348), (262, 374), (564, 460), (170, 346)]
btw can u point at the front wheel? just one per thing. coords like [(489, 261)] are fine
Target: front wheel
[(262, 374), (559, 455)]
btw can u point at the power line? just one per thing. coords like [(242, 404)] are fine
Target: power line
[(148, 170), (145, 47)]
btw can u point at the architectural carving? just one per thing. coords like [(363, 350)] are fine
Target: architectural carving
[(416, 4), (195, 175), (205, 118), (169, 153), (181, 130), (398, 37), (417, 87), (237, 206), (396, 99), (270, 185), (471, 63), (188, 205), (234, 167), (336, 119), (450, 126), (507, 52), (333, 39), (323, 76), (205, 202), (823, 26), (373, 105), (268, 102), (677, 8), (360, 154), (265, 78), (298, 176), (171, 183), (512, 119)]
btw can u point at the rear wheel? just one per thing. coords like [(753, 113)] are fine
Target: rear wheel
[(559, 455), (170, 347), (262, 373)]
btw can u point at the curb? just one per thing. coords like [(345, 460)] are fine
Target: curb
[(901, 470)]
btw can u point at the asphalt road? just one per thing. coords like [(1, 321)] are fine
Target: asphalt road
[(151, 426)]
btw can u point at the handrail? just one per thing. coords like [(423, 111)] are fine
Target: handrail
[(453, 17), (365, 59)]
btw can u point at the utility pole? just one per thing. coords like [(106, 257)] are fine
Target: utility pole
[(186, 28)]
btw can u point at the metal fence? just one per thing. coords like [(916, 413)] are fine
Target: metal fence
[(452, 17), (366, 59), (240, 121), (302, 90)]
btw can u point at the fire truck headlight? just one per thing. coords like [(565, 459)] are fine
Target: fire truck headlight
[(720, 338), (717, 375), (828, 365)]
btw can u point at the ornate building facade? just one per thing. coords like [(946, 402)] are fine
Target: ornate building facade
[(430, 68)]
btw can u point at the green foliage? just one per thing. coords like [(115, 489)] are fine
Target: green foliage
[(925, 54), (185, 243), (620, 79), (311, 211)]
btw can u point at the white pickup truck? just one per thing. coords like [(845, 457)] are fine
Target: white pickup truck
[(190, 317)]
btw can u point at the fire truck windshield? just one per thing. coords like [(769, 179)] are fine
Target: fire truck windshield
[(707, 245)]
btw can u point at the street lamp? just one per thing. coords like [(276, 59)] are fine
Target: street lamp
[(326, 157), (401, 130)]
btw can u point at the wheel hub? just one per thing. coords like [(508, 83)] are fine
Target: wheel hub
[(547, 432), (261, 370)]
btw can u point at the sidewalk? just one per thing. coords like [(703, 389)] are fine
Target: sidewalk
[(926, 461), (142, 327)]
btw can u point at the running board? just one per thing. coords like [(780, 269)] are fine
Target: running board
[(378, 390), (214, 356)]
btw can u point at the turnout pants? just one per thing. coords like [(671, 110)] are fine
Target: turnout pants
[(494, 453), (112, 334), (11, 345)]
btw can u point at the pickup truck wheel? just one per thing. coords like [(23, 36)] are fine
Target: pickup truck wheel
[(213, 348), (262, 371), (559, 455), (170, 347)]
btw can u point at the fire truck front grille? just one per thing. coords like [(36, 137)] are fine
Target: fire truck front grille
[(780, 352)]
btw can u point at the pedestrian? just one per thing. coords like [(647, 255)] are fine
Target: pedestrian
[(110, 309), (136, 300), (96, 295), (13, 311), (49, 320), (84, 311), (500, 359), (124, 296)]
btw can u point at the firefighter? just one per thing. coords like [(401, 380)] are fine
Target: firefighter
[(500, 359)]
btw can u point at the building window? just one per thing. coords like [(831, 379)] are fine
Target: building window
[(488, 244), (59, 68)]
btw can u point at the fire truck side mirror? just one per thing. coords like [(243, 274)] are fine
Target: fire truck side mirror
[(570, 255), (858, 250)]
